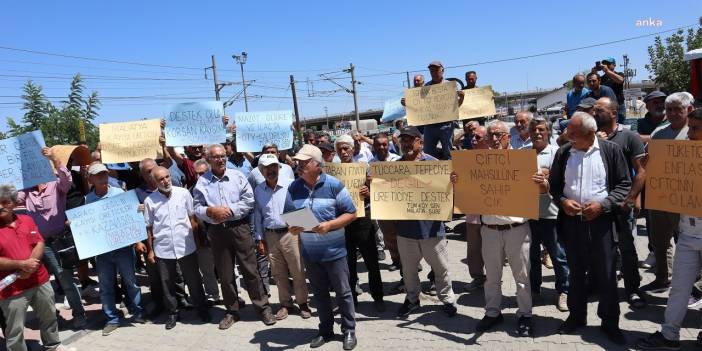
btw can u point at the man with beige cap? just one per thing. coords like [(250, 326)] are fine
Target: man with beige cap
[(324, 246)]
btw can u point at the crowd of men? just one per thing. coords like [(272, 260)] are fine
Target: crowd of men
[(213, 218)]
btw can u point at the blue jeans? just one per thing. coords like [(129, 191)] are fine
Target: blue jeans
[(433, 133), (108, 265), (543, 232), (65, 279)]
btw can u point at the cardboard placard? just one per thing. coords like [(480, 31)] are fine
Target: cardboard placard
[(496, 182), (130, 141), (417, 190), (431, 104), (674, 176), (353, 175), (477, 102)]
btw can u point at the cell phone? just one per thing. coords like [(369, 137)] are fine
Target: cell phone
[(597, 63)]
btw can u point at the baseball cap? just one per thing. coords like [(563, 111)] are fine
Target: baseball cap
[(326, 146), (411, 131), (587, 102), (435, 63), (309, 152), (609, 59), (654, 95), (266, 160), (96, 168)]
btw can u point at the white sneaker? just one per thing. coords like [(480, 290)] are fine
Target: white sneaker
[(649, 262)]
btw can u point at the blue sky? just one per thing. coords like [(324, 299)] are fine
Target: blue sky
[(306, 38)]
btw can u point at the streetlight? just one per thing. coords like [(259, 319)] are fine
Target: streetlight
[(241, 60)]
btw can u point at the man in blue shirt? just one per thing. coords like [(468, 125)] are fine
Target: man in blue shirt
[(117, 261), (597, 90), (324, 247), (576, 94), (419, 239), (224, 199)]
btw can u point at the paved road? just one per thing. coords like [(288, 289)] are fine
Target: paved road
[(428, 329)]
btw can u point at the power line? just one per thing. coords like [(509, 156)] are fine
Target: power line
[(554, 52), (89, 77), (97, 59)]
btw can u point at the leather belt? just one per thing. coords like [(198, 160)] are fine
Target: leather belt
[(503, 227), (231, 224), (277, 230)]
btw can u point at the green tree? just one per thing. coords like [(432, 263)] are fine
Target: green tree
[(667, 66), (60, 125)]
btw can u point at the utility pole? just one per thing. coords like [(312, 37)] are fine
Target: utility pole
[(355, 96), (241, 60), (217, 87), (297, 113), (408, 81), (326, 114)]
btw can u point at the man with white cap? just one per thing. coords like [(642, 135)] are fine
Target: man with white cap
[(116, 261), (274, 239), (324, 247)]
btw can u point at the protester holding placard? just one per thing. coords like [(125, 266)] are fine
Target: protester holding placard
[(170, 221), (324, 246), (21, 250), (439, 132), (590, 178), (46, 204), (686, 267), (117, 261), (275, 240), (544, 230), (505, 236), (665, 224), (360, 235), (417, 239), (224, 199), (606, 111), (387, 227)]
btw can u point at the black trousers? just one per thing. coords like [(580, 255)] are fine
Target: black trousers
[(168, 271), (235, 241), (591, 244), (627, 249), (156, 287), (360, 236)]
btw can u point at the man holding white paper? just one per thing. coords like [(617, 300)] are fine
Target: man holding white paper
[(324, 248)]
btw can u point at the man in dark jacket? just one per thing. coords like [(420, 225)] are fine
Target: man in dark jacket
[(589, 179)]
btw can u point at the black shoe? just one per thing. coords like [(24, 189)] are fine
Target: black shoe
[(407, 308), (171, 321), (185, 304), (636, 300), (656, 287), (320, 340), (570, 326), (657, 341), (431, 290), (525, 327), (379, 305), (349, 340), (450, 309), (488, 323), (204, 315), (394, 266), (614, 334)]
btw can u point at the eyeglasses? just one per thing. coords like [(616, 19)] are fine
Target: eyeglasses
[(496, 135), (218, 157)]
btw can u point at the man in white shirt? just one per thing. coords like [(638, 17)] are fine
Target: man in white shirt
[(505, 236), (686, 267), (275, 240), (170, 220), (519, 134), (590, 178)]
